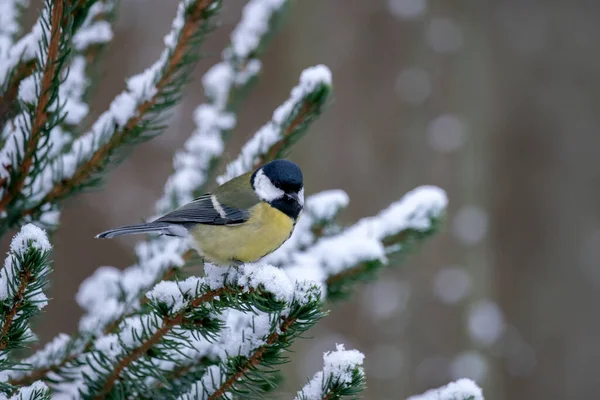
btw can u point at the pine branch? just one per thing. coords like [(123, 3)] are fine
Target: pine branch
[(163, 255), (189, 305), (247, 362), (352, 255), (225, 85), (288, 124), (254, 360), (50, 359), (462, 389), (318, 220), (342, 376), (168, 324), (40, 122), (99, 19), (92, 36), (35, 391), (22, 280), (134, 115)]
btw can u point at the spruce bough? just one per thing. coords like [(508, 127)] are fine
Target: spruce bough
[(146, 331)]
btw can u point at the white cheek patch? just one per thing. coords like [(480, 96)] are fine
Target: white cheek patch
[(265, 189), (301, 197)]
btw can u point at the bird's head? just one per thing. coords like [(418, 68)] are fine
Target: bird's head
[(279, 183)]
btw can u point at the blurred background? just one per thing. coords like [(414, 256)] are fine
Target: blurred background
[(497, 102)]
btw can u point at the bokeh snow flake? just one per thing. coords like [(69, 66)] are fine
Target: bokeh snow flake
[(469, 364), (485, 322), (414, 85), (470, 224), (451, 284), (407, 9), (444, 35), (446, 133), (384, 299)]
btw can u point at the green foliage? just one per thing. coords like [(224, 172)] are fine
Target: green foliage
[(340, 286), (161, 337)]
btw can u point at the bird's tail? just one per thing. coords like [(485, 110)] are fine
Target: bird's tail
[(164, 228)]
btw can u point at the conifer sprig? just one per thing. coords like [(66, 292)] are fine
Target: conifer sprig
[(342, 376), (148, 340), (42, 110), (135, 115), (160, 256), (462, 389), (43, 129), (225, 85), (21, 62), (22, 280), (245, 366), (289, 122)]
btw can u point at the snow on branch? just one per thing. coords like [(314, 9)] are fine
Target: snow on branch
[(318, 219), (133, 115), (22, 280), (93, 34), (356, 251), (64, 100), (124, 290), (224, 85), (342, 375), (462, 389), (253, 341), (45, 360), (289, 122), (271, 311), (24, 153), (36, 391), (10, 14)]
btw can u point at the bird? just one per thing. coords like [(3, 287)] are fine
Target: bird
[(241, 221)]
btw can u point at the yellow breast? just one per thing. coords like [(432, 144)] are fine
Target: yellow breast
[(266, 230)]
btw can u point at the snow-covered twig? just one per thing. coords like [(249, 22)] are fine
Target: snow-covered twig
[(10, 14), (36, 391), (250, 342), (342, 375), (22, 280), (39, 93), (46, 360), (462, 389), (224, 85), (287, 125), (318, 219), (159, 256), (343, 258), (193, 305), (132, 115), (66, 106), (94, 33)]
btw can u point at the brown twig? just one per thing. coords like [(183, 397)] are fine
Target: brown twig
[(15, 308), (41, 115), (167, 324), (252, 361)]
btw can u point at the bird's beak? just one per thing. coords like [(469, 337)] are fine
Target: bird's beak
[(294, 196)]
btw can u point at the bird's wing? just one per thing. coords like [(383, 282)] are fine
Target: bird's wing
[(229, 205), (204, 210)]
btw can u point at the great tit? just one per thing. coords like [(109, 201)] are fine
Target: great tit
[(242, 221)]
